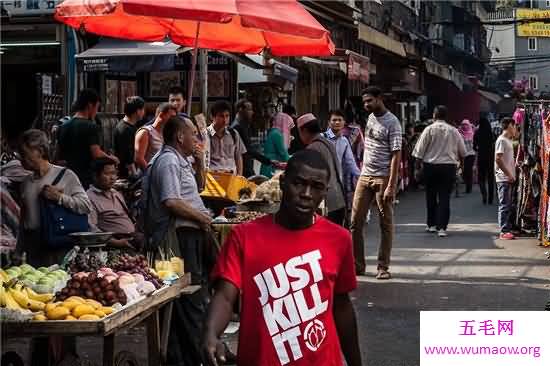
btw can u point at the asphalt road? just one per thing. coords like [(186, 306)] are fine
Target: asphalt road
[(469, 270)]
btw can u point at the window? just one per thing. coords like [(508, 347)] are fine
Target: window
[(533, 82), (548, 3), (532, 44)]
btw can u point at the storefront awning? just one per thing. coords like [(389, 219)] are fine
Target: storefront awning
[(493, 97), (122, 56), (353, 64), (256, 69), (376, 38)]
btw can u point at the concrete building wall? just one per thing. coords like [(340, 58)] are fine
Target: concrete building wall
[(531, 63)]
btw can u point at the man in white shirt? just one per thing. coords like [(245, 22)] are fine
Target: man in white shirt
[(441, 149), (505, 174)]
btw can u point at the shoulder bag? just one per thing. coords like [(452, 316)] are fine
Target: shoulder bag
[(57, 222)]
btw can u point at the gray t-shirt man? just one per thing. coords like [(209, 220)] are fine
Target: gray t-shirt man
[(172, 177), (383, 136)]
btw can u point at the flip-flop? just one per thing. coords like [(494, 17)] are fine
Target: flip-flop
[(383, 275)]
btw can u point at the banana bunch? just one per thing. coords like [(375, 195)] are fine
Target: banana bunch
[(17, 297)]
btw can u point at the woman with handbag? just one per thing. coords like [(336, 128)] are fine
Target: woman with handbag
[(49, 187)]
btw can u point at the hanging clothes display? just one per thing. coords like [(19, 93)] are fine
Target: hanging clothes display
[(529, 118), (544, 211)]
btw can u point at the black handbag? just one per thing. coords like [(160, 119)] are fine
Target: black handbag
[(57, 222)]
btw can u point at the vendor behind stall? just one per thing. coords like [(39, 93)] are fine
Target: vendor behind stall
[(109, 211), (176, 220)]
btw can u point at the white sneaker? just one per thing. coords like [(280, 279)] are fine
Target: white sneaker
[(442, 233), (431, 229)]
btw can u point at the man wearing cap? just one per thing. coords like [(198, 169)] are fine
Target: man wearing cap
[(309, 130)]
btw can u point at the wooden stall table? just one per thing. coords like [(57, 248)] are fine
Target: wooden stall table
[(146, 310)]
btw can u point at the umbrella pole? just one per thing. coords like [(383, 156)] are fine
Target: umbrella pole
[(193, 71)]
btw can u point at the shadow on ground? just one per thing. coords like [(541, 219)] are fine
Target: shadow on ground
[(389, 325)]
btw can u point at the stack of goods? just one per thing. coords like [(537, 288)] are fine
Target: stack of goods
[(85, 261), (244, 216), (213, 188), (18, 302), (269, 191), (42, 280), (136, 265), (74, 308)]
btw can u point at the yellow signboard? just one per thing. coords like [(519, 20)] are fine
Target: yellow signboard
[(534, 28)]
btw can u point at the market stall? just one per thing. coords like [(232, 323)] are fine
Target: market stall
[(97, 294), (246, 201)]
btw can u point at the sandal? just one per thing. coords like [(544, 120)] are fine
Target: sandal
[(383, 275)]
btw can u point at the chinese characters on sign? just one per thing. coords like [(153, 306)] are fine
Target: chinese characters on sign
[(486, 327), (533, 28)]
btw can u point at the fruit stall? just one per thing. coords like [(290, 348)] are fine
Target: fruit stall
[(254, 201), (94, 293)]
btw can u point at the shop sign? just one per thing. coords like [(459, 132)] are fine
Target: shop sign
[(534, 28), (95, 64), (358, 68), (27, 7), (438, 70)]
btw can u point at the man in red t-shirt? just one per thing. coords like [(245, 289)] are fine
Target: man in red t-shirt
[(293, 272)]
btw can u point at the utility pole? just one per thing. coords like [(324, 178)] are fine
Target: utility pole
[(203, 67)]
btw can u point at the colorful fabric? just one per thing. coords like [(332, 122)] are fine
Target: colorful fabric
[(284, 123)]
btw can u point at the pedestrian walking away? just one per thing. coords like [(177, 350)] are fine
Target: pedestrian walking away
[(467, 131), (278, 259), (505, 174), (440, 149), (484, 145), (378, 181)]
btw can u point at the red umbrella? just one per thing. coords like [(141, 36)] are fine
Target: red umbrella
[(282, 27)]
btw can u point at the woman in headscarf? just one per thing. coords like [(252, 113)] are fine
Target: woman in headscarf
[(484, 145), (467, 131), (277, 142)]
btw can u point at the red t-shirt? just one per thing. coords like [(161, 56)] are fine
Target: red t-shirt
[(287, 280)]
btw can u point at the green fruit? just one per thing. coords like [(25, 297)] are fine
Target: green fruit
[(12, 273), (26, 268), (47, 281), (15, 269), (43, 269)]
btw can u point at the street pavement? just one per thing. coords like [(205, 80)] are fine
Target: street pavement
[(469, 270)]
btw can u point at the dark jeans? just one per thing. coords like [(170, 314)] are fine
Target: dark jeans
[(439, 179), (486, 178), (189, 312), (337, 216), (505, 206), (468, 173)]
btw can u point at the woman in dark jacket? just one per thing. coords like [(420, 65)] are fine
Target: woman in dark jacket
[(484, 145)]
